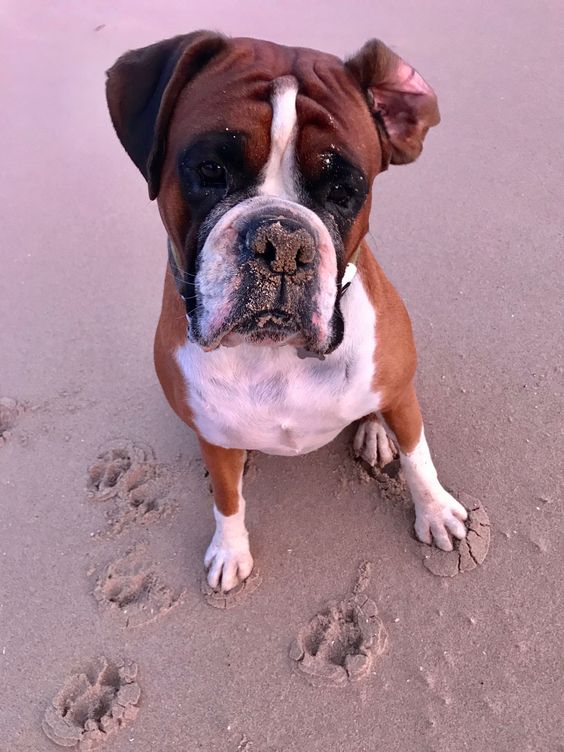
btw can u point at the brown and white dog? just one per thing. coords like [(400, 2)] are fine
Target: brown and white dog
[(278, 327)]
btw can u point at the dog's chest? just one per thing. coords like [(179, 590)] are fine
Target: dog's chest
[(270, 399)]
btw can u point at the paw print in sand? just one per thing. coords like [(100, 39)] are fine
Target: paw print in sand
[(126, 472), (133, 588), (121, 466), (340, 643), (93, 704)]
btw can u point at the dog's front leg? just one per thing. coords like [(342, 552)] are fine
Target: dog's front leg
[(228, 558), (437, 514)]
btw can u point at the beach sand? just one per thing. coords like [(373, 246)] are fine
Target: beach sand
[(106, 511)]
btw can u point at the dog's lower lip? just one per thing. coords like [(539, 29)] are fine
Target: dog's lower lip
[(268, 327), (267, 320)]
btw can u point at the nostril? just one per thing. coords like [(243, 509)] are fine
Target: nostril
[(260, 243), (306, 253), (269, 252)]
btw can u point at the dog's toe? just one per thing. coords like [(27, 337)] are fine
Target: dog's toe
[(440, 520), (372, 443), (227, 566)]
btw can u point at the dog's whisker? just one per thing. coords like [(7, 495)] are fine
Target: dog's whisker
[(181, 276)]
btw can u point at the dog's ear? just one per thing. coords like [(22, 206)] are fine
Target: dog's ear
[(403, 104), (142, 88)]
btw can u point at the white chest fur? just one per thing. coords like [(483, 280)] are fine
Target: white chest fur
[(267, 398)]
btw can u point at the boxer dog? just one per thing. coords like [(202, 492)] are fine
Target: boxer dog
[(278, 327)]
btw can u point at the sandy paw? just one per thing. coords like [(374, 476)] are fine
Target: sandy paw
[(227, 565), (126, 472), (93, 704), (134, 589), (467, 553), (439, 520), (372, 443), (234, 597), (341, 642)]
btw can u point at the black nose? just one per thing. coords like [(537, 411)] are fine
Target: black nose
[(284, 244)]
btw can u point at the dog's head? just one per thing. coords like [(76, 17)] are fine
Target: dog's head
[(262, 159)]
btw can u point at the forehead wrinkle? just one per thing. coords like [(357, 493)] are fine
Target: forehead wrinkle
[(327, 125), (330, 99), (319, 133)]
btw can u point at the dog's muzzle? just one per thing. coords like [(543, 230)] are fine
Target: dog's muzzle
[(266, 273)]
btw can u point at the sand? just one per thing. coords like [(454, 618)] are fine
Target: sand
[(106, 511)]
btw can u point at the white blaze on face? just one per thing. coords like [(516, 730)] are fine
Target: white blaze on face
[(279, 174)]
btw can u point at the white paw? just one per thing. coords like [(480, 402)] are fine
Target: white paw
[(438, 516), (228, 562), (372, 442)]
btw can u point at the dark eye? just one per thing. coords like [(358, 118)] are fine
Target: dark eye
[(339, 194), (212, 174)]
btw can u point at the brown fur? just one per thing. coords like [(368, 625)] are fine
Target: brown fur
[(404, 418), (225, 467), (170, 335), (394, 357)]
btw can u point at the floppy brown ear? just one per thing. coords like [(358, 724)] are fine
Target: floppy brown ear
[(398, 96), (142, 88)]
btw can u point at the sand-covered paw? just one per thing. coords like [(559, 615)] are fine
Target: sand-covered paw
[(227, 563), (469, 552), (234, 597), (372, 443), (438, 518)]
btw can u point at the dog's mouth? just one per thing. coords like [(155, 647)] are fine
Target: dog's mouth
[(266, 327), (271, 322)]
